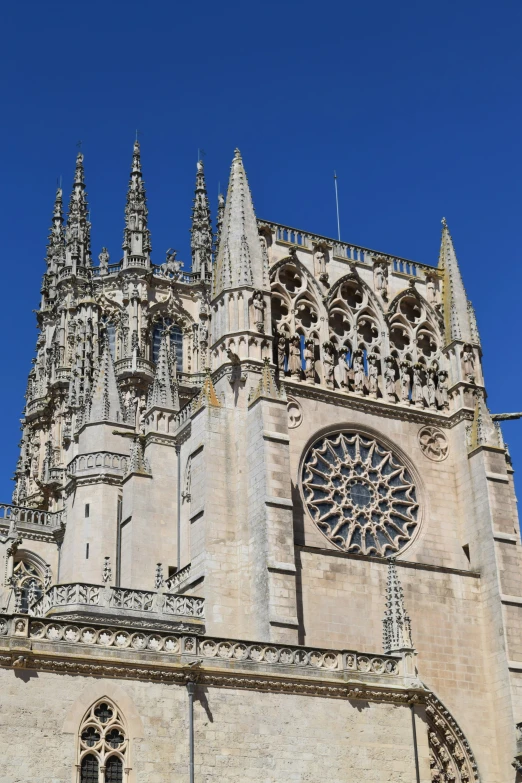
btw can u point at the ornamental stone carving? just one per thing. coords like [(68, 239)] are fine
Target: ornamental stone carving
[(295, 413), (433, 443), (359, 494)]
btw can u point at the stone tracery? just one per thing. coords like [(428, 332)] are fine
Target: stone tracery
[(359, 494), (103, 744)]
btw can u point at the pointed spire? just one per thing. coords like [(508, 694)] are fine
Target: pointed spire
[(396, 623), (483, 430), (56, 241), (458, 311), (78, 229), (201, 229), (207, 395), (240, 259), (136, 236), (164, 393), (219, 221), (267, 386), (105, 403)]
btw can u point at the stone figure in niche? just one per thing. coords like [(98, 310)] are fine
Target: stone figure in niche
[(431, 291), (418, 389), (281, 352), (328, 364), (359, 376), (294, 358), (203, 331), (258, 303), (389, 379), (140, 404), (309, 357), (443, 389), (380, 279), (344, 376), (320, 266), (431, 388), (405, 381), (468, 363), (373, 374), (103, 258)]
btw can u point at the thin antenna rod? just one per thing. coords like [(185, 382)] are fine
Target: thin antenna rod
[(337, 208)]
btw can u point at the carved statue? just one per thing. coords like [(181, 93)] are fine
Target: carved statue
[(373, 374), (320, 266), (171, 269), (380, 279), (258, 303), (405, 381), (389, 379), (418, 388), (443, 389), (359, 376), (431, 389), (309, 357), (294, 358), (431, 291), (344, 370), (103, 258), (281, 352), (328, 364), (468, 363)]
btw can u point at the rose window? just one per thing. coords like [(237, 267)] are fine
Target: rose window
[(359, 494)]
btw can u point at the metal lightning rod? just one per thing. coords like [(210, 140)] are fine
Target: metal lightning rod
[(337, 208)]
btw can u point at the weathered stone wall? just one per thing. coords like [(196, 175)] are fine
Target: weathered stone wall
[(239, 735)]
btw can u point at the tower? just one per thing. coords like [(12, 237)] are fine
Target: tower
[(263, 498)]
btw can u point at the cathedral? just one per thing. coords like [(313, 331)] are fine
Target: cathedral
[(264, 525)]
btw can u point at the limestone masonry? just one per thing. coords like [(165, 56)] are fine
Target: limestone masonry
[(264, 525)]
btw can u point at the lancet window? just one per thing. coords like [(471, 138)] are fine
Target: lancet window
[(103, 745), (28, 584)]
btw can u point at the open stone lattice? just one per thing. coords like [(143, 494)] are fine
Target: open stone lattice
[(359, 494)]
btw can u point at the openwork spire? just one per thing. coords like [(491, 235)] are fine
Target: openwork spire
[(56, 241), (201, 229), (104, 403), (78, 229), (458, 310), (219, 221), (136, 236), (164, 392), (396, 623), (240, 258)]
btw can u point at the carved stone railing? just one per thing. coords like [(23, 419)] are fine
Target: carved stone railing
[(67, 271), (36, 406), (32, 516), (251, 653), (179, 577), (134, 365), (99, 461), (84, 596), (293, 236)]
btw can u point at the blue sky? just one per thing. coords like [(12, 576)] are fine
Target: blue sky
[(416, 105)]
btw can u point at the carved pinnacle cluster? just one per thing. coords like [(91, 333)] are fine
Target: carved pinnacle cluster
[(240, 258), (78, 229), (207, 395), (56, 242), (164, 392), (267, 386), (136, 236), (483, 430), (201, 229), (219, 221), (396, 623)]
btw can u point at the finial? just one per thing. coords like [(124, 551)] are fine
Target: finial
[(444, 224), (237, 154), (107, 570)]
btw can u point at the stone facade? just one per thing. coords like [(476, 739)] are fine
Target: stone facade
[(229, 479)]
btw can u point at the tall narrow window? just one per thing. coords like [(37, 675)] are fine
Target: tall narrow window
[(103, 744)]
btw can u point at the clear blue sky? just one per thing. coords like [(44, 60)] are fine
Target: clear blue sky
[(416, 105)]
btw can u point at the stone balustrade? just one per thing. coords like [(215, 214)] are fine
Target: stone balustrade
[(99, 461), (344, 250), (83, 596), (32, 516)]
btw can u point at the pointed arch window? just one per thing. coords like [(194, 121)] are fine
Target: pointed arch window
[(28, 585), (103, 747), (176, 342)]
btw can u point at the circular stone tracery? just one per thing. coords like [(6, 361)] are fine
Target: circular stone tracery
[(359, 494)]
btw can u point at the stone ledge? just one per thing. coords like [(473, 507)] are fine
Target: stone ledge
[(508, 538), (497, 477), (272, 500), (278, 436)]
